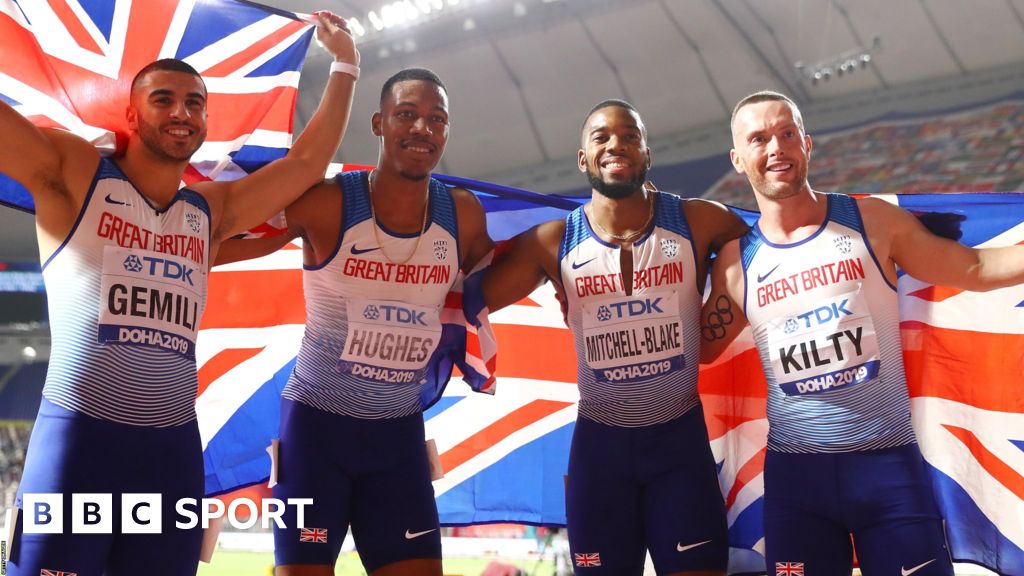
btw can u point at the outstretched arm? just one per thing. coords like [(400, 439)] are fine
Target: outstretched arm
[(250, 201), (238, 249), (722, 318), (530, 258), (930, 258)]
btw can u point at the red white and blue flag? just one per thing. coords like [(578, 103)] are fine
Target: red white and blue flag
[(505, 455), (77, 73), (315, 535)]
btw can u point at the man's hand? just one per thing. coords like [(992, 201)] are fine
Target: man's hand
[(333, 34)]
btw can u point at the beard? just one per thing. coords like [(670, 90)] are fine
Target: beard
[(774, 190), (413, 177), (151, 137), (617, 190)]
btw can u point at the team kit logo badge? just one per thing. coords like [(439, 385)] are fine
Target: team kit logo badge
[(440, 249), (192, 219), (844, 244), (670, 248)]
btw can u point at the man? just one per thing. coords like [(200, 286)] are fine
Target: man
[(381, 251), (125, 259), (816, 279), (632, 264)]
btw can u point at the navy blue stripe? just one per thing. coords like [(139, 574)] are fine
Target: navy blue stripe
[(843, 210), (355, 197)]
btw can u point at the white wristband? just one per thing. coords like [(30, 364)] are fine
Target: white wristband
[(345, 68)]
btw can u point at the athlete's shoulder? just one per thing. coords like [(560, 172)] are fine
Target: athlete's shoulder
[(550, 233), (466, 201), (879, 214)]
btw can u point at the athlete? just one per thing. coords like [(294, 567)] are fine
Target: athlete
[(816, 279), (125, 258), (381, 252), (632, 264)]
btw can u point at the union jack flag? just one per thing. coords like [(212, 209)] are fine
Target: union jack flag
[(505, 456), (587, 560), (317, 535), (45, 572), (789, 569), (78, 73)]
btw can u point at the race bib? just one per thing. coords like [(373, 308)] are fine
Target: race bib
[(389, 341), (633, 338), (829, 347), (150, 299)]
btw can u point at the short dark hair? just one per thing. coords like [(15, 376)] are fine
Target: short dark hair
[(768, 96), (170, 65), (422, 74), (614, 103)]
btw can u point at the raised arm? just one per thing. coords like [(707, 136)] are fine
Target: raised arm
[(722, 318), (531, 258), (901, 239), (250, 201), (56, 168)]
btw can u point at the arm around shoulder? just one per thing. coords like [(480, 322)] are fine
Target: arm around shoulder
[(472, 228), (714, 222), (530, 258)]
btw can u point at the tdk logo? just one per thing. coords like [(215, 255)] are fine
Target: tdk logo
[(823, 314), (400, 315), (630, 308), (159, 267), (168, 269)]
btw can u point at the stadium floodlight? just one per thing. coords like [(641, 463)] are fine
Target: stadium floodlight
[(839, 65)]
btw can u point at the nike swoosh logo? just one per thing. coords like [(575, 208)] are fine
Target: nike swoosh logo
[(906, 572), (112, 201), (682, 548), (761, 278), (357, 251), (411, 535), (576, 266)]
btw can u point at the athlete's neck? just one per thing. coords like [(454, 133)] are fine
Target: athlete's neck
[(792, 219), (398, 201), (155, 178), (622, 216)]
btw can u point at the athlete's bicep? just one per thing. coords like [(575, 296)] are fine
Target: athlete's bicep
[(722, 317), (516, 272)]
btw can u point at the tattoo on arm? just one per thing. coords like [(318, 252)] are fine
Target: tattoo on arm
[(714, 326)]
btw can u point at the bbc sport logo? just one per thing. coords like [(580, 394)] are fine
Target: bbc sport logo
[(143, 513)]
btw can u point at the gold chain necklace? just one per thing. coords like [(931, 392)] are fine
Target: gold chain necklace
[(631, 235), (376, 234)]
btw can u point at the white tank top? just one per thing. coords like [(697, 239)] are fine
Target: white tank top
[(374, 346), (826, 323), (636, 355), (126, 291)]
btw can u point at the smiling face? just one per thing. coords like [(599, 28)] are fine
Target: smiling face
[(413, 127), (770, 147), (614, 153), (168, 112)]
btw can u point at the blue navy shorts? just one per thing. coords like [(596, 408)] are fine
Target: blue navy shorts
[(884, 498), (653, 488), (71, 453), (373, 474)]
